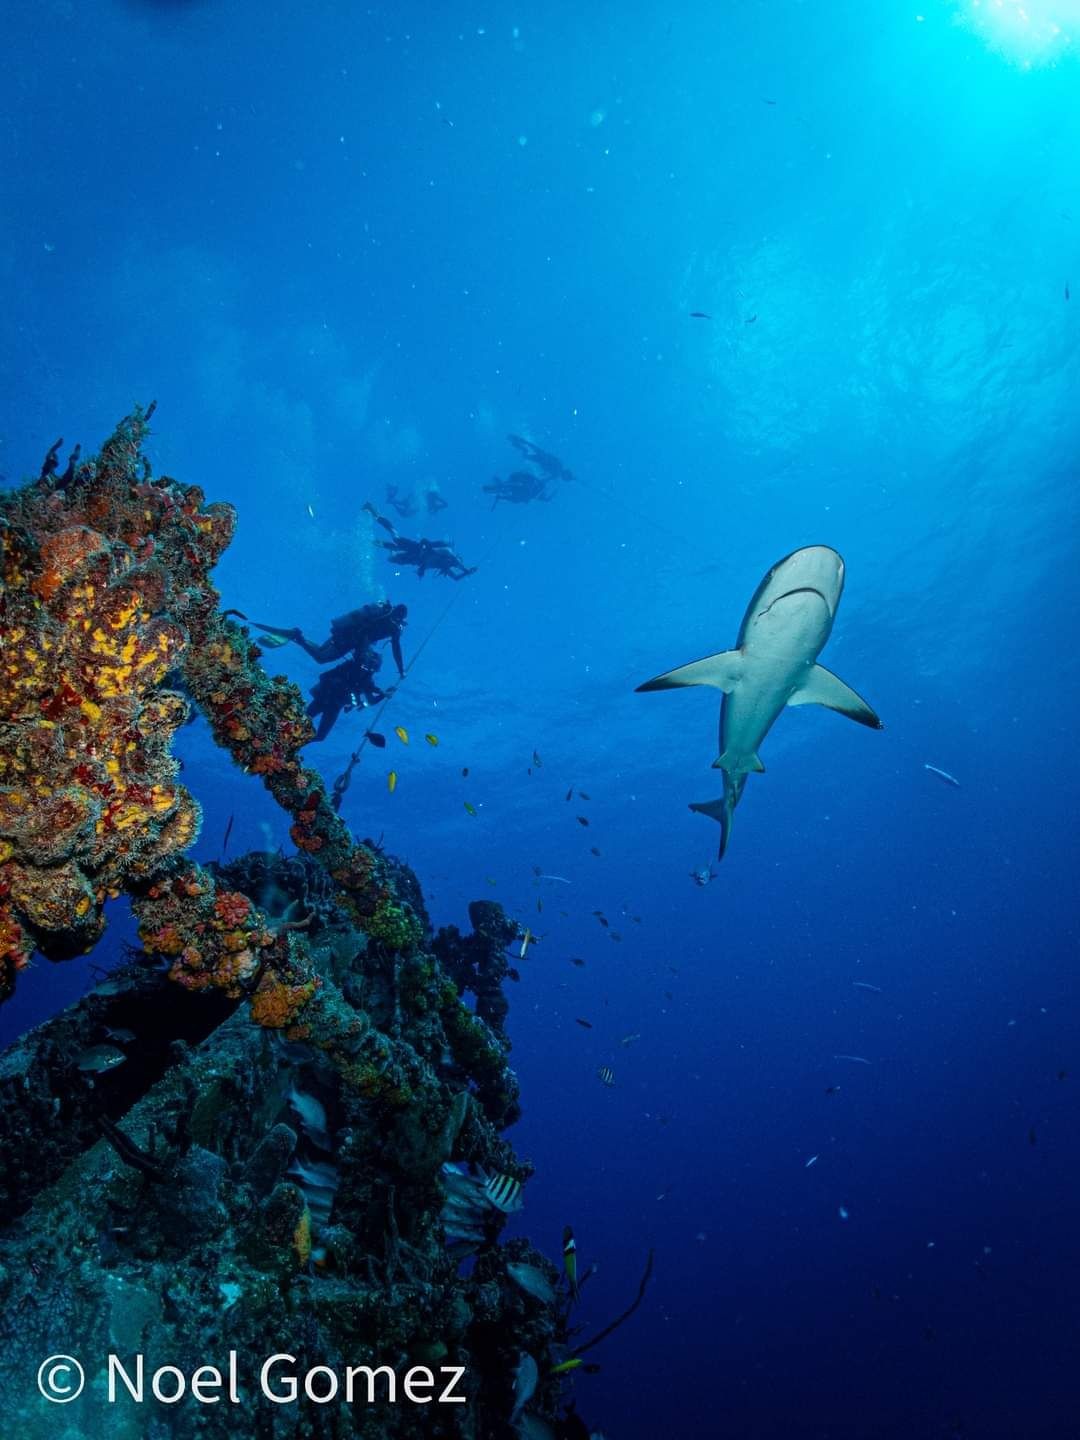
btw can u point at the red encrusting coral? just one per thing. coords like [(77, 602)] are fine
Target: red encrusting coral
[(106, 600)]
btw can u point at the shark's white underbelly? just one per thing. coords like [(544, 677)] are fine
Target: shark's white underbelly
[(750, 711)]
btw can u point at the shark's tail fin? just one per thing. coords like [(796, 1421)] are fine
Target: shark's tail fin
[(722, 809)]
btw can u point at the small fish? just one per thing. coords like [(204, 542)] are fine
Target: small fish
[(525, 1379), (96, 1059), (1031, 1135), (629, 1039), (751, 320), (582, 820), (471, 809), (391, 781), (812, 1161), (566, 1366), (311, 512), (616, 936), (768, 102), (560, 878), (594, 851), (533, 1281), (228, 832), (583, 796), (865, 985), (832, 1089), (606, 1074), (490, 881), (569, 1254), (604, 921), (465, 773), (577, 960), (943, 774), (537, 761), (120, 1036), (699, 315), (402, 734), (585, 1024), (432, 740), (526, 941), (379, 741), (570, 793), (539, 907), (856, 1059), (843, 1212), (272, 642), (504, 1192), (1067, 296)]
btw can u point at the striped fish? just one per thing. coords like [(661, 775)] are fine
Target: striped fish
[(504, 1192), (607, 1075)]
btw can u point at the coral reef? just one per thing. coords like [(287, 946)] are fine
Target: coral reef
[(240, 1135)]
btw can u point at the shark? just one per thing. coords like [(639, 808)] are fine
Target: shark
[(773, 665)]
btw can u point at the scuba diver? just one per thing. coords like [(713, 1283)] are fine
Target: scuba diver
[(520, 488), (551, 466), (354, 632), (350, 686), (424, 555), (405, 507)]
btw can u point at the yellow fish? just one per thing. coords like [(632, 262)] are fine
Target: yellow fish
[(402, 734), (566, 1366), (391, 781), (470, 808), (432, 739)]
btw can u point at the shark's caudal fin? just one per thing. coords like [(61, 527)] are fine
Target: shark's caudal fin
[(721, 671), (722, 809), (822, 687)]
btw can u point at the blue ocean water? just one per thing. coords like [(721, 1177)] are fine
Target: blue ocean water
[(347, 247)]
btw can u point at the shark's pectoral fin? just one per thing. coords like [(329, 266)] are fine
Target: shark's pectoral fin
[(722, 671), (822, 687)]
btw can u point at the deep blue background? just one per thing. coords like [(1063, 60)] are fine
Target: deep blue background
[(347, 245)]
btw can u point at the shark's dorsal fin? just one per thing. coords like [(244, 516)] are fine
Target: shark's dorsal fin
[(822, 687), (722, 671)]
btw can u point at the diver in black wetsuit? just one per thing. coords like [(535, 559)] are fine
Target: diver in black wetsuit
[(520, 488), (551, 466), (403, 507), (354, 632), (350, 686), (423, 555)]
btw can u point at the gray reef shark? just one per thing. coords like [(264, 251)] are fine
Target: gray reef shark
[(774, 664)]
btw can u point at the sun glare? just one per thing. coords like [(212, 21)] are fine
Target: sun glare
[(1027, 32)]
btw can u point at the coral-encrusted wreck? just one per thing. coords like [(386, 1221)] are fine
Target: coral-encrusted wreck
[(260, 1167)]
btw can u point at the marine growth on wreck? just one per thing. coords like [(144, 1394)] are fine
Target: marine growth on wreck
[(279, 1125)]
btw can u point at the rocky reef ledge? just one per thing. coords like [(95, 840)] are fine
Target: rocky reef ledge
[(277, 1126)]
